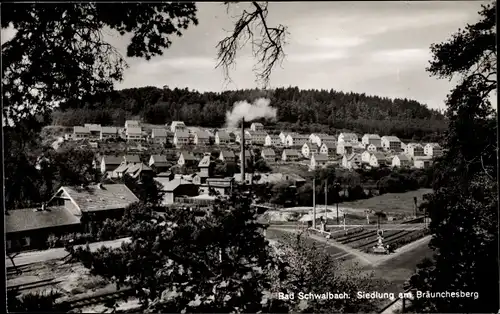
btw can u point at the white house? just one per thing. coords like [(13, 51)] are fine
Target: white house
[(177, 125), (132, 123), (348, 137), (222, 137), (248, 140), (268, 155), (374, 139), (283, 136), (108, 132), (391, 143), (378, 159), (95, 130), (296, 140), (201, 137), (401, 160), (422, 162), (134, 133), (256, 126), (318, 160), (256, 137), (433, 150), (352, 161), (365, 156), (186, 159), (325, 138), (181, 137), (273, 140), (328, 149), (290, 155), (81, 132), (309, 149), (159, 136), (403, 147), (414, 150), (344, 148), (227, 156)]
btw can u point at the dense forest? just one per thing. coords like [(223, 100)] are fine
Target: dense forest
[(300, 110)]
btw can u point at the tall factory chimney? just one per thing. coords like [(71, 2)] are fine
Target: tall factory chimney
[(242, 143)]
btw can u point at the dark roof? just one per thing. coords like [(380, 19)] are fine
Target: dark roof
[(182, 133), (320, 157), (268, 152), (18, 220), (228, 154), (112, 160), (132, 158), (329, 145), (223, 135), (188, 155), (159, 158), (92, 198), (205, 162)]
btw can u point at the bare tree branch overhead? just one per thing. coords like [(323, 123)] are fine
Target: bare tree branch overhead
[(267, 42)]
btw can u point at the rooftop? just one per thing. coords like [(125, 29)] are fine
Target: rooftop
[(205, 162), (18, 220), (171, 185), (159, 133), (182, 133), (81, 129)]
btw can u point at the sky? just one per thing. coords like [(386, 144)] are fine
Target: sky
[(377, 48)]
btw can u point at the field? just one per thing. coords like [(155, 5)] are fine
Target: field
[(398, 203)]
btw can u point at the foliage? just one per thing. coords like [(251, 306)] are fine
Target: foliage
[(147, 189), (298, 110), (310, 269), (194, 261), (76, 238), (33, 302), (464, 206), (261, 165)]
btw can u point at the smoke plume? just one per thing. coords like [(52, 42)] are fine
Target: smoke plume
[(243, 109)]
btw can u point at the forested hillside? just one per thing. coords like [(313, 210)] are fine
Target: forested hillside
[(301, 110)]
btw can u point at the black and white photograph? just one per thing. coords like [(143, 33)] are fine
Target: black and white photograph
[(250, 157)]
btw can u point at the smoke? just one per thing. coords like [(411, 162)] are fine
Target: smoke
[(243, 109)]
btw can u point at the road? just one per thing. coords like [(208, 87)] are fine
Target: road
[(57, 253)]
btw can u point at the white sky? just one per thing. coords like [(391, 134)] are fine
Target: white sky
[(377, 48)]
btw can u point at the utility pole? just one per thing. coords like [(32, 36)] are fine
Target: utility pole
[(326, 200), (314, 202)]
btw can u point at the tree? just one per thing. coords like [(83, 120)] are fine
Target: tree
[(194, 261), (313, 270), (464, 206), (261, 166)]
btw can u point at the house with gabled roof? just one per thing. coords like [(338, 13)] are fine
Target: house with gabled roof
[(257, 126), (328, 149), (134, 133), (309, 149), (108, 132), (81, 133), (222, 137), (352, 161), (109, 163), (131, 159), (433, 150), (256, 137), (94, 129), (414, 150), (283, 136), (422, 162), (201, 138), (159, 163), (378, 159), (391, 143), (204, 166), (159, 136), (296, 140), (401, 161), (227, 156), (139, 171), (273, 140), (290, 155), (374, 139), (348, 138), (29, 228), (365, 156), (132, 123), (268, 155), (318, 160), (177, 126), (178, 187), (373, 148), (186, 159), (344, 148), (94, 202), (181, 137)]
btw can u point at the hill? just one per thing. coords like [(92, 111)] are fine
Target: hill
[(300, 110)]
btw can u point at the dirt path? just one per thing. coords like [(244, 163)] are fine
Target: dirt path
[(404, 249)]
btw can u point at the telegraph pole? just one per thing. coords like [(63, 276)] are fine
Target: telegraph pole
[(314, 202), (326, 200)]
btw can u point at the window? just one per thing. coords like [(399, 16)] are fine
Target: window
[(25, 241)]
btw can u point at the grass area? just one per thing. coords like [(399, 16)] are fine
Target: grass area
[(391, 202), (279, 235), (294, 168)]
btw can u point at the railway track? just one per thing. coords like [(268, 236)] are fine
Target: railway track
[(34, 285), (97, 299)]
